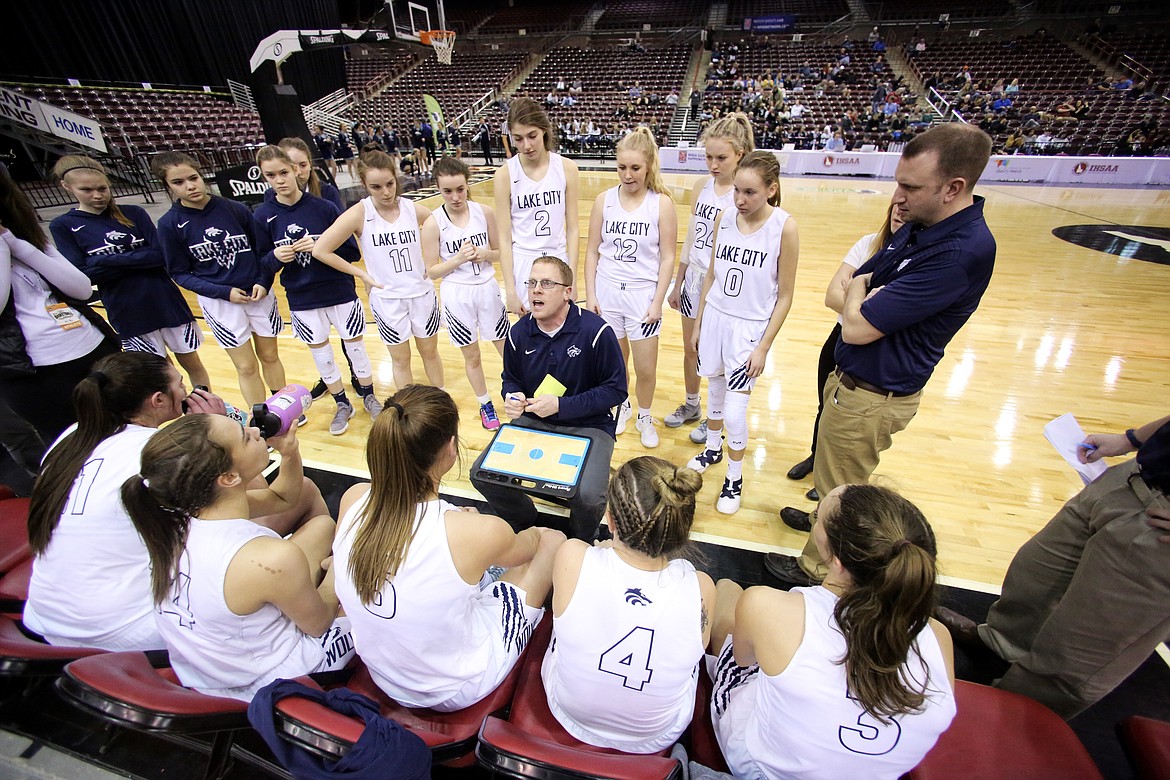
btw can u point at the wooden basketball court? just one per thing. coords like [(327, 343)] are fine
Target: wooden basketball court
[(1062, 328)]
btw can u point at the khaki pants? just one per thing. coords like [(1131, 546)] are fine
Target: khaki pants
[(856, 427), (1087, 599)]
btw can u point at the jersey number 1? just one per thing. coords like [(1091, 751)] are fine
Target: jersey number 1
[(629, 658)]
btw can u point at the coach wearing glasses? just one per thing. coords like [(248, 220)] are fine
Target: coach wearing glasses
[(559, 345)]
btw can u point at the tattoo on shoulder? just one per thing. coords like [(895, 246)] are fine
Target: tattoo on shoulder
[(703, 618)]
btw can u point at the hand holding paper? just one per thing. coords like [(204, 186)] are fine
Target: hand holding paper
[(1066, 435)]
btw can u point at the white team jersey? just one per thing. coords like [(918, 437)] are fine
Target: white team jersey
[(538, 211), (392, 252), (621, 669), (212, 649), (424, 637), (629, 241), (451, 238), (703, 215), (833, 736), (93, 579), (746, 267)]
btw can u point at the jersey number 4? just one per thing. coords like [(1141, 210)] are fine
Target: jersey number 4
[(629, 658)]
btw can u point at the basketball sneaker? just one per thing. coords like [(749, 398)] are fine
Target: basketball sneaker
[(685, 413), (341, 418), (705, 459), (624, 415), (730, 497), (373, 405), (645, 426), (699, 435), (488, 418)]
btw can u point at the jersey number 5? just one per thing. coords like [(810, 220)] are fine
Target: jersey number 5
[(629, 658)]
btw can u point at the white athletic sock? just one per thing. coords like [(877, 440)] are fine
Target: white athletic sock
[(692, 399), (643, 412), (483, 399), (714, 438), (734, 469)]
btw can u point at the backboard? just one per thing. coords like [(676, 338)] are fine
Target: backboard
[(410, 17)]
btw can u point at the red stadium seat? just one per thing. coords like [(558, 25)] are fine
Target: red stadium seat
[(14, 588), (531, 743), (451, 736), (999, 735), (13, 530), (1147, 745), (23, 656), (128, 689)]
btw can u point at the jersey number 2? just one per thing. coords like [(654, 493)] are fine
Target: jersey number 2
[(542, 220), (629, 658)]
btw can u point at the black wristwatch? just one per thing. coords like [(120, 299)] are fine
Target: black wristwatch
[(1133, 439)]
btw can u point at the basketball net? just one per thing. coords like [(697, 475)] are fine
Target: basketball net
[(443, 42)]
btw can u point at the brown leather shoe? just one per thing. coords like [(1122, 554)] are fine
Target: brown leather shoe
[(787, 569)]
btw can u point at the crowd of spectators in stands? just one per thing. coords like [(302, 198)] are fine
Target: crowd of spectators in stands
[(775, 100)]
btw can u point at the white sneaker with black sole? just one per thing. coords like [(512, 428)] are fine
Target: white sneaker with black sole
[(645, 426), (705, 460), (685, 413), (730, 497), (623, 418), (699, 435), (341, 418)]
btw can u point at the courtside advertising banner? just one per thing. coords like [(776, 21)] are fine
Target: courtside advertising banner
[(50, 119)]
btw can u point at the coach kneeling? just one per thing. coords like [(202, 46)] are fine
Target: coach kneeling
[(578, 349)]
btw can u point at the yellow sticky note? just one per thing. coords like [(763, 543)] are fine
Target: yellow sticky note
[(550, 386)]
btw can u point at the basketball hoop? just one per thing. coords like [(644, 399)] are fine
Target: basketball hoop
[(443, 42)]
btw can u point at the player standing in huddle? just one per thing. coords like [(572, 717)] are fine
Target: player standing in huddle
[(536, 198), (307, 178), (628, 265), (746, 296), (630, 618), (402, 298), (725, 142), (209, 246), (319, 295), (459, 246), (117, 248), (325, 149)]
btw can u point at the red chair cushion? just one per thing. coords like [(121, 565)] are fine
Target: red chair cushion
[(20, 654), (503, 741), (14, 582), (126, 687), (13, 532), (999, 735), (704, 745), (1147, 743)]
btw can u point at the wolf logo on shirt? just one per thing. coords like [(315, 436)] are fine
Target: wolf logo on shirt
[(294, 233), (117, 242), (220, 246)]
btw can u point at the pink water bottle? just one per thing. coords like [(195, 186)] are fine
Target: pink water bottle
[(280, 412)]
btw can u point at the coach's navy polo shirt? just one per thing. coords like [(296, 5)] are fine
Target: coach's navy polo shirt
[(583, 355), (932, 280)]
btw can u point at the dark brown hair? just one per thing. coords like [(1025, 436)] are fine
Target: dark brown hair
[(17, 212), (652, 505), (887, 547), (104, 402), (402, 449)]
